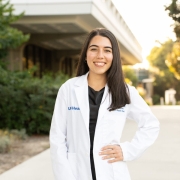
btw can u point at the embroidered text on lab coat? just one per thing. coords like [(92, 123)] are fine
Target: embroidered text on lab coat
[(73, 108), (121, 110)]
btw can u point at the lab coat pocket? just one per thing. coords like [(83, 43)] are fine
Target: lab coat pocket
[(73, 163), (120, 171), (116, 120)]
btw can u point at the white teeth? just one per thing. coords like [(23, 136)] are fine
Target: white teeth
[(99, 63)]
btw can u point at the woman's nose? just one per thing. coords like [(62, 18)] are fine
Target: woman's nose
[(100, 54)]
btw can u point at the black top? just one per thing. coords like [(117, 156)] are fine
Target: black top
[(95, 98)]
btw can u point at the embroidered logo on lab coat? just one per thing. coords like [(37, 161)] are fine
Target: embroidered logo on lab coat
[(121, 109), (73, 108)]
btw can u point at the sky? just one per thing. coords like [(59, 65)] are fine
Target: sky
[(148, 21)]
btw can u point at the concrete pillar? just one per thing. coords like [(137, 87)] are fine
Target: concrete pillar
[(161, 101), (15, 59)]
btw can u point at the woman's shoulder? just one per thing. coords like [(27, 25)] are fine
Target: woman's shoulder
[(131, 88), (73, 81), (132, 91)]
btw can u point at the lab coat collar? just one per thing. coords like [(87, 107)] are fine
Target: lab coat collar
[(81, 91), (82, 80)]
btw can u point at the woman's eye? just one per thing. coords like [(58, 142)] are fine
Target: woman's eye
[(107, 50), (93, 49)]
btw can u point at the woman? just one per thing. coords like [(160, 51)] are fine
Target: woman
[(90, 113)]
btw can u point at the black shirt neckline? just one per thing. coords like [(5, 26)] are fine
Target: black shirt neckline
[(95, 90)]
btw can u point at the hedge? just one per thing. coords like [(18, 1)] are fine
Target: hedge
[(27, 102)]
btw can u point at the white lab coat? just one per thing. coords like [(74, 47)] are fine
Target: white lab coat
[(69, 134)]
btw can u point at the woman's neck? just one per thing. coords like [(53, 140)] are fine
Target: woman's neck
[(97, 82)]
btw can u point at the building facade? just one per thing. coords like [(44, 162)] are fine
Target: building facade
[(57, 30)]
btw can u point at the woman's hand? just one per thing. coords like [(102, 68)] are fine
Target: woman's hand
[(112, 152)]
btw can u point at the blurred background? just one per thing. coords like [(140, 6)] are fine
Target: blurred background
[(40, 42)]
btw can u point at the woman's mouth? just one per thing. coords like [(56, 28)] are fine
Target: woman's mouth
[(99, 64)]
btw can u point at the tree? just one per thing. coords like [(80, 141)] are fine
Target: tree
[(174, 13), (173, 60), (164, 78), (9, 37), (130, 75), (167, 55), (173, 57), (158, 54)]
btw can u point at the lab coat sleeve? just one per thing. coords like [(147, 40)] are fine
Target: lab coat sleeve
[(58, 147), (148, 127)]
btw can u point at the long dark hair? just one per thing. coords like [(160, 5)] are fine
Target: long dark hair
[(115, 79)]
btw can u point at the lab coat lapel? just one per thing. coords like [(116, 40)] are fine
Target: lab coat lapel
[(104, 103), (81, 91)]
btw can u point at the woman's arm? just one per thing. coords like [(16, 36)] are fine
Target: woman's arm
[(148, 127), (58, 148)]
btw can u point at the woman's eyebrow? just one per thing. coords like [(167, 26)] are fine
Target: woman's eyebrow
[(98, 46), (108, 47), (93, 45)]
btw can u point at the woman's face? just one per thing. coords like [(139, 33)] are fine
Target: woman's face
[(99, 55)]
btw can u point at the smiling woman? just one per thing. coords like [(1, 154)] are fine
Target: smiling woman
[(90, 113)]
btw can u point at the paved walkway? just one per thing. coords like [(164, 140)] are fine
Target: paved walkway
[(36, 168), (159, 162)]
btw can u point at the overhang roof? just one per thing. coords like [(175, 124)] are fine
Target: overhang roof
[(63, 24)]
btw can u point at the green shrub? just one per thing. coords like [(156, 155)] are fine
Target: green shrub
[(7, 137), (27, 102), (156, 99), (14, 134), (5, 144), (21, 134)]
